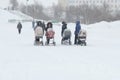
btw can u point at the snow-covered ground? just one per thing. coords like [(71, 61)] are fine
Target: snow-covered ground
[(21, 60)]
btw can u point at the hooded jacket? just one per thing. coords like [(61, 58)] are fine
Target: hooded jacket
[(77, 28), (19, 26), (49, 25)]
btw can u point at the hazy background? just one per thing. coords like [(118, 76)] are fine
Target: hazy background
[(49, 10), (46, 3)]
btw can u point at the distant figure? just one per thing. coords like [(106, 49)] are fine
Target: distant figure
[(33, 23), (43, 25), (77, 30), (19, 27), (49, 33), (39, 32), (64, 26)]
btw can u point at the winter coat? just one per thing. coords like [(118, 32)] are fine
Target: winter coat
[(50, 33), (43, 24), (77, 28), (64, 26), (49, 25), (19, 26)]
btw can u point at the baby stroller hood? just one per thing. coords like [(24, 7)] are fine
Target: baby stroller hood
[(82, 33), (50, 33), (82, 37), (49, 29), (67, 32), (39, 31)]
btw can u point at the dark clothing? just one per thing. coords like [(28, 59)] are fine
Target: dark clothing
[(76, 39), (48, 40), (39, 23), (33, 24), (43, 24), (64, 26), (37, 39), (19, 31), (19, 27), (77, 30), (66, 38)]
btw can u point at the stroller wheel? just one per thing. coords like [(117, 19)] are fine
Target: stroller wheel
[(54, 43), (70, 43), (42, 43), (85, 44), (36, 43), (81, 44)]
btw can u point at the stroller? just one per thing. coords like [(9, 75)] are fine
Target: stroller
[(82, 37), (66, 38), (38, 36), (50, 37)]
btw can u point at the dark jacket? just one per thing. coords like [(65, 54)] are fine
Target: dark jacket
[(39, 24), (19, 26), (33, 23), (64, 26), (77, 28), (43, 24)]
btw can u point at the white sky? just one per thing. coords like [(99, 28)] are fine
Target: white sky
[(5, 3)]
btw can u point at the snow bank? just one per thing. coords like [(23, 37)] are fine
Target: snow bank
[(5, 16)]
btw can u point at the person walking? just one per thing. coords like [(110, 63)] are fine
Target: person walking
[(19, 27)]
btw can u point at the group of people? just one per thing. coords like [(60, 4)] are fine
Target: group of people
[(63, 30), (77, 30), (40, 28)]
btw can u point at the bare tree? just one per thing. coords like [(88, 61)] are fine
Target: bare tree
[(117, 15), (58, 12), (35, 11), (14, 4), (73, 13), (85, 13)]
